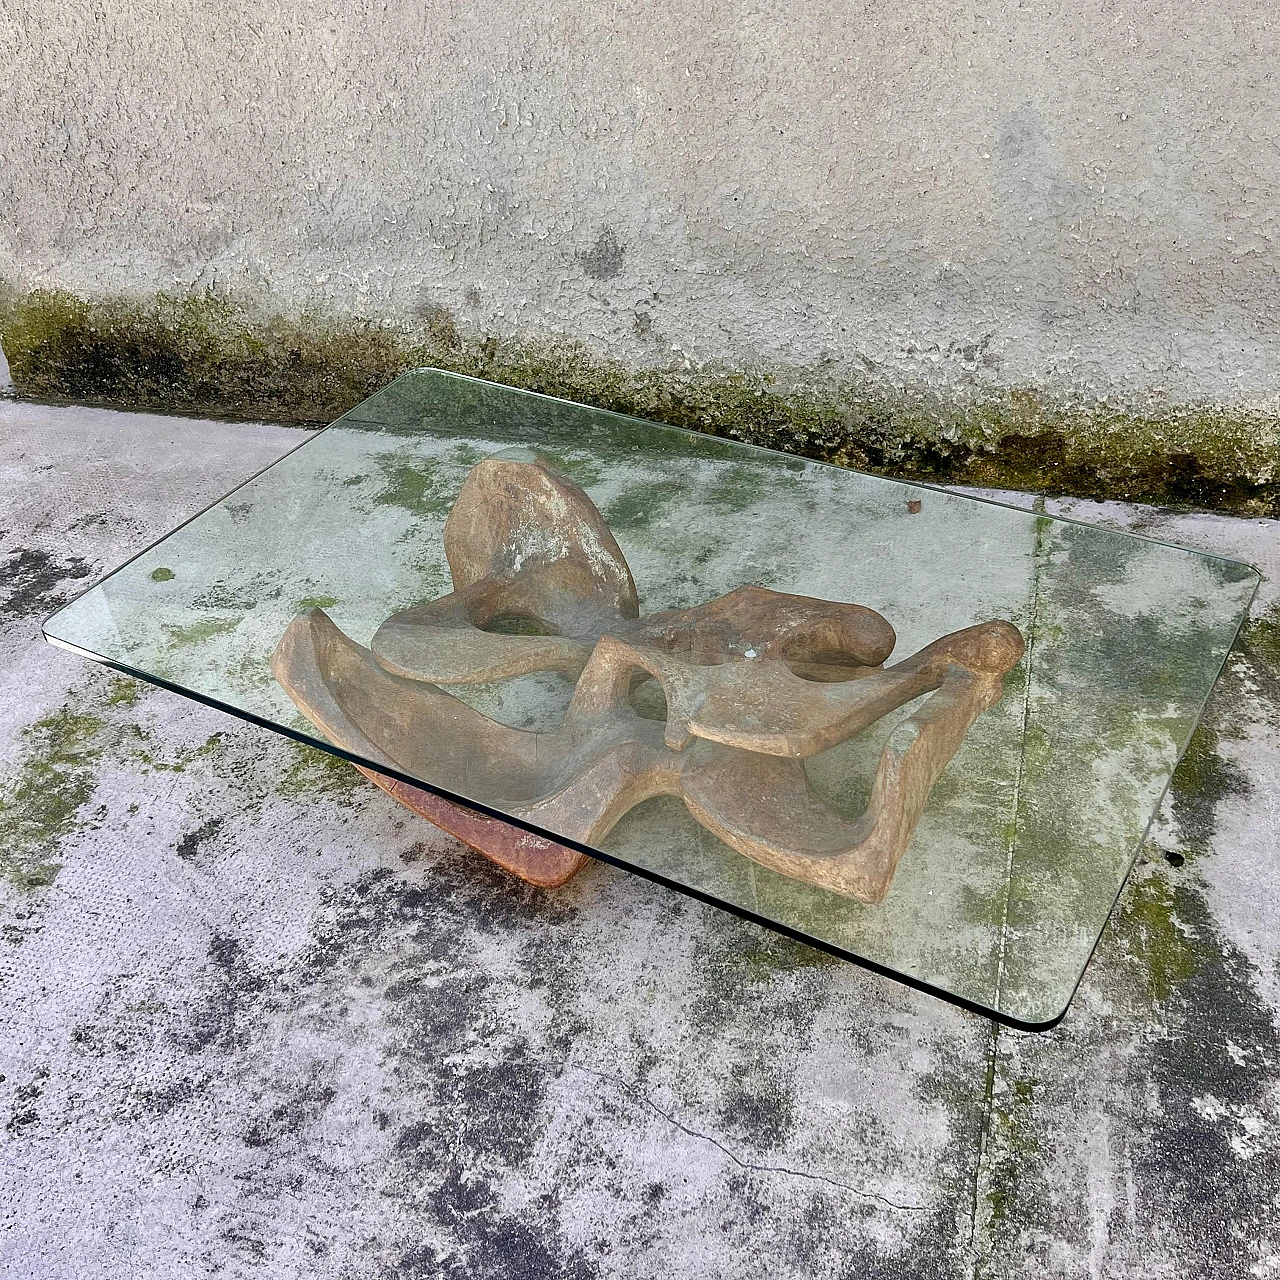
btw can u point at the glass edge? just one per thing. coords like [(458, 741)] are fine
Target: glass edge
[(1155, 813), (311, 434), (352, 415), (956, 491), (687, 891)]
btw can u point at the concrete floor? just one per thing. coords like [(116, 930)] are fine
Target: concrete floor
[(256, 1020)]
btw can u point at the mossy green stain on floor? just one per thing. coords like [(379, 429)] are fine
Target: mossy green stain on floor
[(639, 505), (1258, 648), (1153, 913), (1013, 1144), (312, 772), (758, 955), (198, 632), (1159, 952), (742, 972), (421, 487), (582, 470), (1204, 778), (1262, 636), (241, 596), (41, 801), (465, 455), (737, 488), (1211, 1203), (123, 691), (1168, 987), (204, 354), (739, 964)]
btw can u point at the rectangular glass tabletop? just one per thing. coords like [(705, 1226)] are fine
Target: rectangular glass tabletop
[(923, 731)]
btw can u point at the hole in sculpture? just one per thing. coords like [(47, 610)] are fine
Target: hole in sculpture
[(516, 624), (819, 655), (826, 668), (646, 697)]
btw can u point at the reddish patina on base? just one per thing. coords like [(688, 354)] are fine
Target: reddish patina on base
[(533, 858)]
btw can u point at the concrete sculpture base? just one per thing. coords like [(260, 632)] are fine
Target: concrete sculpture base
[(754, 683)]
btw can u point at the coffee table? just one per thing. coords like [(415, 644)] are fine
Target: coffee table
[(920, 730)]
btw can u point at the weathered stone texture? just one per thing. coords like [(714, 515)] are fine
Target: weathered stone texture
[(1073, 196)]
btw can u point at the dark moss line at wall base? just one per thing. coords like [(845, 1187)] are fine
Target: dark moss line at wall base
[(208, 355)]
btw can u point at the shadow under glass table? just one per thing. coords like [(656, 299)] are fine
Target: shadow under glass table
[(1039, 795)]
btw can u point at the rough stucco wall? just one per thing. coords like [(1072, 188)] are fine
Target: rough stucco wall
[(1078, 197)]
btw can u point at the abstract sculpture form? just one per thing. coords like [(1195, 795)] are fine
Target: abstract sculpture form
[(755, 682)]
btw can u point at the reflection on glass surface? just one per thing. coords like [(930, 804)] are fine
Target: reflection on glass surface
[(613, 653)]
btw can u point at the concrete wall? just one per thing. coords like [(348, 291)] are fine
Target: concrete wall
[(1076, 197)]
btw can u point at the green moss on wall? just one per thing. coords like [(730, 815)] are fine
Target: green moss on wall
[(199, 354), (205, 354)]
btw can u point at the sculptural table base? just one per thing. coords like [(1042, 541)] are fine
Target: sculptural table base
[(533, 858), (753, 682)]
